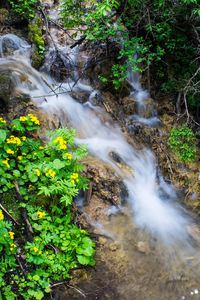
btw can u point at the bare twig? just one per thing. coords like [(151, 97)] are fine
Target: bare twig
[(20, 265), (78, 290)]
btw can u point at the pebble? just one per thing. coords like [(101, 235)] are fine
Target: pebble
[(196, 291), (183, 297)]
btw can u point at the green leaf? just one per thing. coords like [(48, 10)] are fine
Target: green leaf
[(83, 260), (2, 135), (58, 164)]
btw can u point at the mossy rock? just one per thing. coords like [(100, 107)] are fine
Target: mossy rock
[(35, 36), (3, 15)]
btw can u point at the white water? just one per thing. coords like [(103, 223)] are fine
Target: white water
[(154, 204)]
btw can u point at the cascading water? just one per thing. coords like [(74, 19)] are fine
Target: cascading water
[(154, 204)]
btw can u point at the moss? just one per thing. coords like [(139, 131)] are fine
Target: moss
[(3, 15), (3, 78), (35, 36)]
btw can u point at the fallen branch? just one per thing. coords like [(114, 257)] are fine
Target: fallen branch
[(24, 213), (10, 216), (78, 42), (21, 267)]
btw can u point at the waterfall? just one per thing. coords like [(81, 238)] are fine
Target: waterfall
[(154, 204)]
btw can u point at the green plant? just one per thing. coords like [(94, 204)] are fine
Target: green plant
[(182, 141), (49, 176), (24, 8)]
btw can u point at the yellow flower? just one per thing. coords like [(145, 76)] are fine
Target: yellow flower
[(35, 249), (40, 252), (19, 157), (41, 214), (35, 153), (36, 239), (5, 162), (63, 147), (5, 235), (23, 138), (23, 119), (77, 180), (9, 151), (37, 172), (72, 181), (46, 252), (2, 121), (46, 169), (13, 245), (41, 147), (11, 249), (11, 234), (74, 175), (1, 215)]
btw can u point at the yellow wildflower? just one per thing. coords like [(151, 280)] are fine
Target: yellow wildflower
[(69, 155), (23, 119), (46, 169), (77, 180), (5, 235), (13, 245), (36, 239), (9, 151), (46, 252), (1, 215), (41, 214), (5, 162), (35, 153), (72, 181), (74, 176), (41, 147), (11, 234), (40, 252), (2, 121), (23, 138), (11, 249), (35, 249), (37, 171), (19, 157)]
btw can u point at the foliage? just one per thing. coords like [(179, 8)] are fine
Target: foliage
[(161, 34), (24, 8), (48, 174), (182, 141)]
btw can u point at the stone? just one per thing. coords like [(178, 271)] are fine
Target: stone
[(143, 247)]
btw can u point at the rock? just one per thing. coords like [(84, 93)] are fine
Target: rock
[(102, 241), (143, 247), (194, 232), (5, 90), (114, 246)]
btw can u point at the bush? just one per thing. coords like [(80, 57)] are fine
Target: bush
[(182, 141), (48, 175)]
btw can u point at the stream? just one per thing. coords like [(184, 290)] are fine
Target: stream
[(149, 253)]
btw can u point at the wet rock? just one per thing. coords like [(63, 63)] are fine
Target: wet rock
[(106, 185), (80, 96), (143, 247), (194, 232)]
